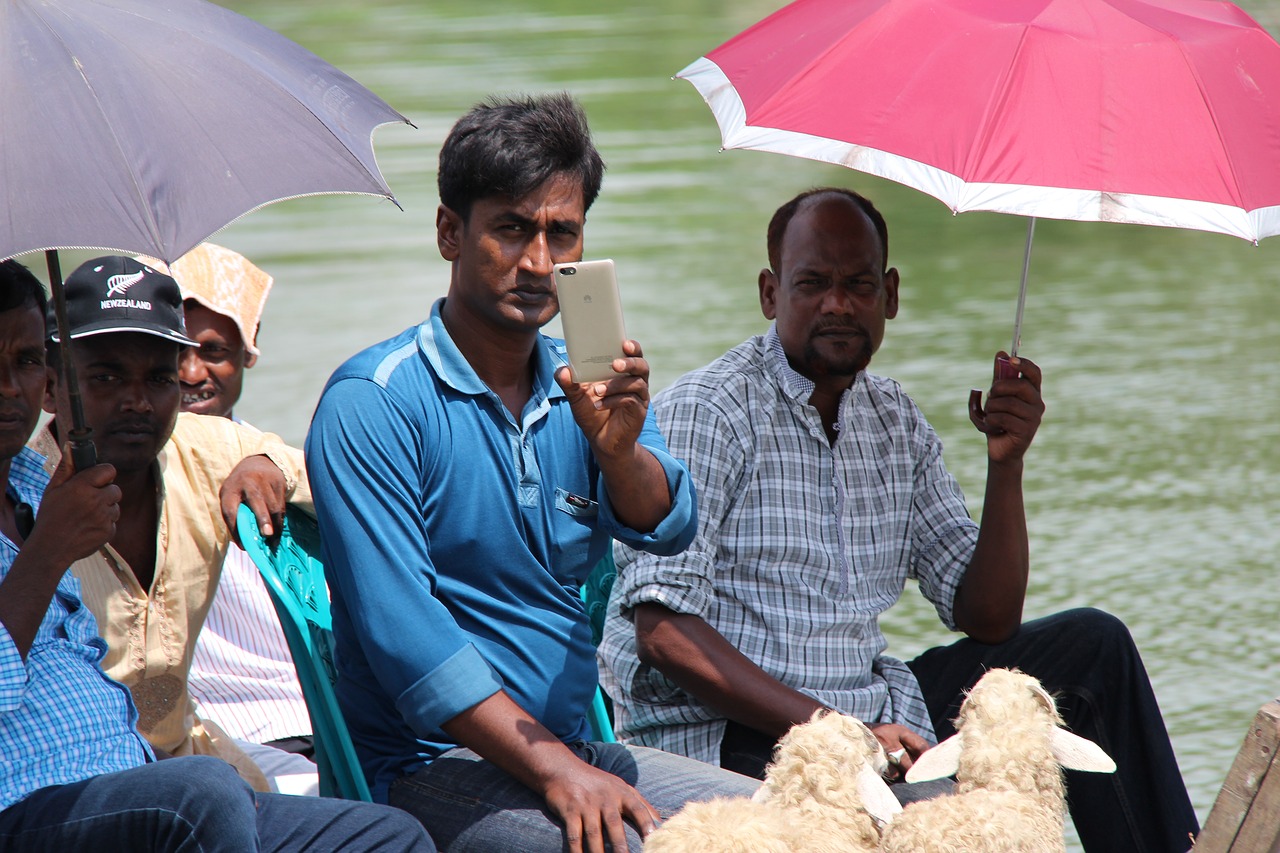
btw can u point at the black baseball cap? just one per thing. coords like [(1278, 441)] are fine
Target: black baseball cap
[(119, 294)]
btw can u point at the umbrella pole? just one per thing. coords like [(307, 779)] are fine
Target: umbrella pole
[(1022, 290), (83, 454)]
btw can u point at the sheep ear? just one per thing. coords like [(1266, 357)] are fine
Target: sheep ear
[(1077, 753), (876, 797), (937, 763)]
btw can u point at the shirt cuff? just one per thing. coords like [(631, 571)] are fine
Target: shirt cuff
[(680, 598), (461, 682), (942, 567)]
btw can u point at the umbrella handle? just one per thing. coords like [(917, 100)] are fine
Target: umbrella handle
[(83, 453), (1006, 367)]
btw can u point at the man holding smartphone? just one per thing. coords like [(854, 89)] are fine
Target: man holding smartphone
[(465, 487), (821, 491)]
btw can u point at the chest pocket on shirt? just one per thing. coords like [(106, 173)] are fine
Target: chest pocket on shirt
[(576, 505)]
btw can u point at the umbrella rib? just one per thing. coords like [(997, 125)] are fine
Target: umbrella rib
[(1213, 116), (375, 175), (992, 108), (152, 225)]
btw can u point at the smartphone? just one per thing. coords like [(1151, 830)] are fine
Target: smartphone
[(591, 315)]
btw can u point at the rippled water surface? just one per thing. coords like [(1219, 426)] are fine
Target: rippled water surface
[(1153, 487)]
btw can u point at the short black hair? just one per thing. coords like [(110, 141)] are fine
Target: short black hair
[(782, 218), (509, 147), (19, 287)]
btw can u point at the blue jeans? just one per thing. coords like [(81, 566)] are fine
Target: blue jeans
[(468, 804), (197, 804), (1088, 661)]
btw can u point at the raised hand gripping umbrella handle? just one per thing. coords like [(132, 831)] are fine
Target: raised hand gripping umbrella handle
[(83, 453), (1006, 367)]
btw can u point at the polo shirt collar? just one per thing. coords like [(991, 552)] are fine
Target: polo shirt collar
[(448, 362)]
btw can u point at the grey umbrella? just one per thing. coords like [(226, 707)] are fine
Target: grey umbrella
[(147, 125)]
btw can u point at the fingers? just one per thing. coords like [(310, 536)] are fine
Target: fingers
[(230, 506), (642, 815), (1014, 404)]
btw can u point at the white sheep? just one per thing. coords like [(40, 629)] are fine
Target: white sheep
[(1007, 755), (724, 825), (823, 793)]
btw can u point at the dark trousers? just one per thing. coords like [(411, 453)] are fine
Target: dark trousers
[(1088, 661)]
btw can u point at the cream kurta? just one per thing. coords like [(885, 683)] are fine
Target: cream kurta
[(150, 634)]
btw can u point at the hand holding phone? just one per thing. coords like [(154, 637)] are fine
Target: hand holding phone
[(591, 315)]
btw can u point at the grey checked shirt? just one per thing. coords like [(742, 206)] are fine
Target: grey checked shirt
[(801, 545)]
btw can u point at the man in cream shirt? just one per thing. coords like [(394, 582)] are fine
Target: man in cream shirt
[(151, 585)]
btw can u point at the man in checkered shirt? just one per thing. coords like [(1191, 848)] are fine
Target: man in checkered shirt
[(821, 490)]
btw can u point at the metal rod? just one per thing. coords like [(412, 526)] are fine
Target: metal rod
[(83, 453), (1022, 290)]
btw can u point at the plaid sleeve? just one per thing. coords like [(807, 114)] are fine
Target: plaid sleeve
[(695, 430), (943, 535)]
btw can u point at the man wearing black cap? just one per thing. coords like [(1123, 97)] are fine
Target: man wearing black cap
[(151, 585), (77, 775)]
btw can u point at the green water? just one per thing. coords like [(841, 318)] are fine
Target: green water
[(1153, 487)]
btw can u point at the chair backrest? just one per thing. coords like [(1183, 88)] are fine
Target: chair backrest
[(294, 578), (595, 596)]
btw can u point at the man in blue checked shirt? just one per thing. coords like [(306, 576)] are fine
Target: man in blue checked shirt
[(74, 772), (821, 491)]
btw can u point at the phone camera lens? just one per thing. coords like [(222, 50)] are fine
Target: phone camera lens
[(568, 271)]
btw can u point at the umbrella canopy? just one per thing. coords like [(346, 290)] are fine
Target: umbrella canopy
[(1156, 113), (140, 126), (144, 126)]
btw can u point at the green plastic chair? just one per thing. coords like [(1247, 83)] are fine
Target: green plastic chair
[(294, 578), (595, 596)]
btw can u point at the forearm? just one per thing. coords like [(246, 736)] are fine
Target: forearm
[(637, 486), (694, 655), (503, 733), (988, 605)]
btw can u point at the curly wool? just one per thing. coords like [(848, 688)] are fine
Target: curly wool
[(813, 772), (1009, 795), (976, 822), (724, 826), (809, 802)]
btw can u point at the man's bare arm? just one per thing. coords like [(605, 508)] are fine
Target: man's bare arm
[(988, 604), (611, 415), (591, 803)]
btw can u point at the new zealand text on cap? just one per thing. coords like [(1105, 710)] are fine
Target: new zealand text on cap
[(118, 294)]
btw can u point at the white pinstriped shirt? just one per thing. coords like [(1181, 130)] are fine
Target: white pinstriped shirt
[(242, 673), (801, 544)]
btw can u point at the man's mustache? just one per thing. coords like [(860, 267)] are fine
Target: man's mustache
[(840, 326)]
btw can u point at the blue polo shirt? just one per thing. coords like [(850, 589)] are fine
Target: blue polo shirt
[(455, 538)]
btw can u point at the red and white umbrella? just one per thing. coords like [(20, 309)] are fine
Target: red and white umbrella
[(1155, 112)]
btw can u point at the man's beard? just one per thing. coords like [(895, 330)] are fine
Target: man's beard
[(818, 364)]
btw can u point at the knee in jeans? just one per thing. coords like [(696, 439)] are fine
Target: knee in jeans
[(205, 780)]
